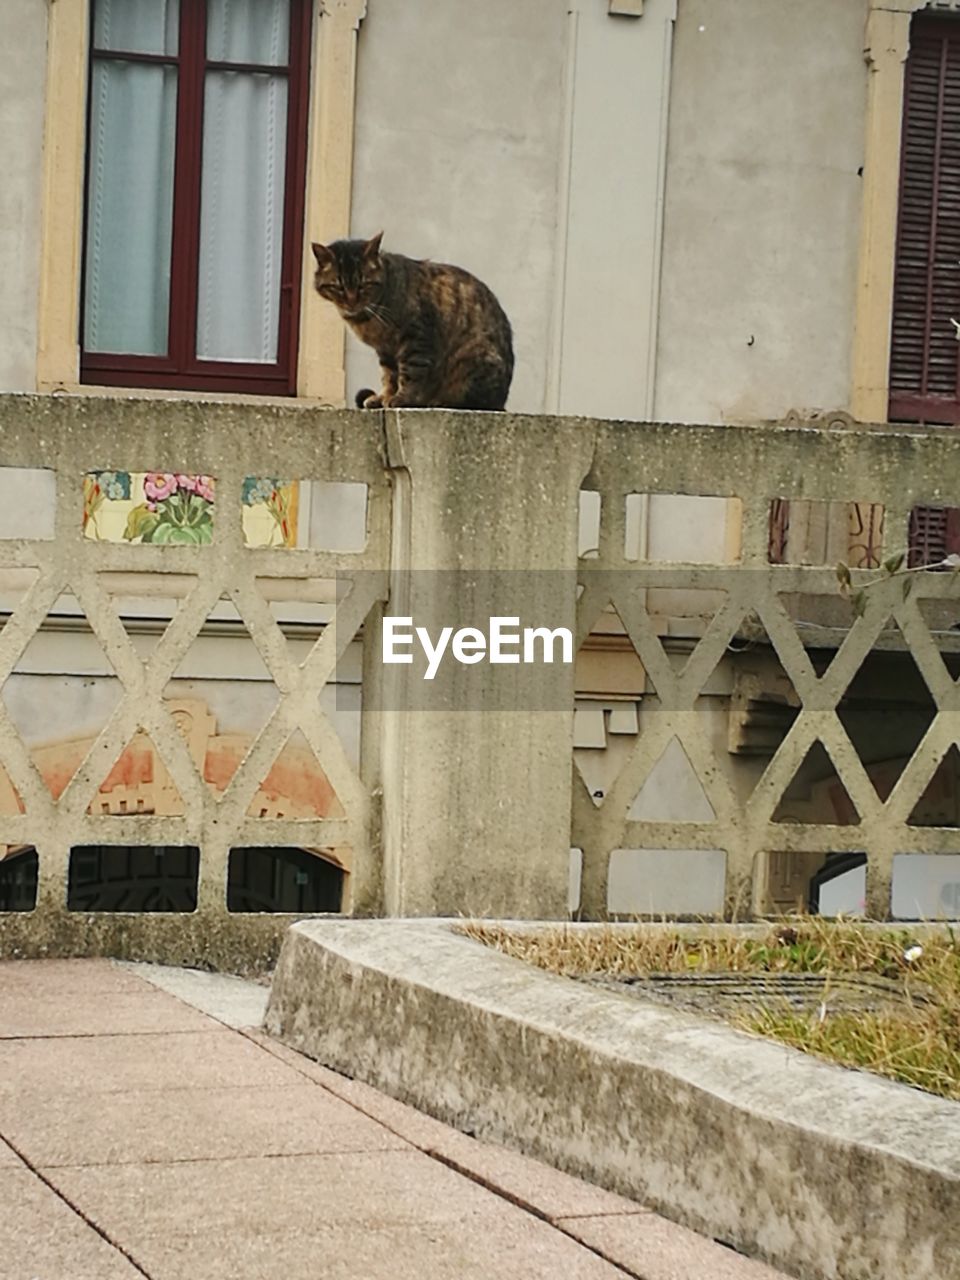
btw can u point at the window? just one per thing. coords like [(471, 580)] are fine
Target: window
[(18, 878), (196, 161), (294, 880), (105, 877), (925, 351), (934, 534), (925, 335)]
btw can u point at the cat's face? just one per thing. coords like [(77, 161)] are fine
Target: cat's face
[(350, 274)]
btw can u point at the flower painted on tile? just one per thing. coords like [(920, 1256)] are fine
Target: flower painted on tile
[(178, 509), (157, 486), (258, 489), (100, 487), (276, 495), (115, 485)]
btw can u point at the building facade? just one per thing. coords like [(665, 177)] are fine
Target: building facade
[(694, 211)]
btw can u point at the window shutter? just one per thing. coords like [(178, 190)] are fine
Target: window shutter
[(934, 534), (924, 348)]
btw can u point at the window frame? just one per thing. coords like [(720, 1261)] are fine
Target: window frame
[(180, 369)]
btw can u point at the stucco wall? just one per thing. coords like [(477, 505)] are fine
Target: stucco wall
[(524, 141), (457, 152), (466, 150), (23, 42), (766, 134)]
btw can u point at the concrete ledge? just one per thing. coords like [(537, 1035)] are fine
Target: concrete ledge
[(219, 940), (827, 1173)]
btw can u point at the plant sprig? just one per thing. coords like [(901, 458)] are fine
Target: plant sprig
[(893, 567)]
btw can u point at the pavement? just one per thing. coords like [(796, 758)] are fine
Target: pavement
[(149, 1128)]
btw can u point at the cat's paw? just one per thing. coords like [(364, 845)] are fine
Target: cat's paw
[(368, 399)]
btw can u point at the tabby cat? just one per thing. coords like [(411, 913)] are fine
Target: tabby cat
[(442, 337)]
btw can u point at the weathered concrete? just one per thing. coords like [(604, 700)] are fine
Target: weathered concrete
[(231, 1000), (823, 1171), (457, 810), (71, 435), (450, 767), (239, 944)]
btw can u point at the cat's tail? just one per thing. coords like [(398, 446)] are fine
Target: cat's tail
[(361, 398)]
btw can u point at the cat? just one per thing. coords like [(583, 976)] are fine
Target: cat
[(441, 336)]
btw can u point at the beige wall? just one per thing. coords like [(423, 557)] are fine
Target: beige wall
[(530, 143), (23, 36), (610, 212), (458, 146), (525, 142), (761, 220)]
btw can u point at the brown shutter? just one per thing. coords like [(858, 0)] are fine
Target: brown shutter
[(934, 534), (924, 348)]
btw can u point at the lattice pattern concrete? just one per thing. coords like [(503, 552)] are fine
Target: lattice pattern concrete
[(896, 469), (230, 443), (449, 492)]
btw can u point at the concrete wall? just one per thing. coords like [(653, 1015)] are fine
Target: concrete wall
[(457, 154), (761, 218), (23, 43), (525, 143), (610, 209), (463, 802)]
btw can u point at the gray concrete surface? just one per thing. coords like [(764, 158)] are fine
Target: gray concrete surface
[(236, 1002), (427, 838), (159, 1143), (448, 171), (825, 1172)]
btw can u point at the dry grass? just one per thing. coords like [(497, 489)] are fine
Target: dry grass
[(919, 1046)]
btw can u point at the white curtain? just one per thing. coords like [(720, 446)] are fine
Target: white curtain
[(129, 207), (248, 31), (136, 26), (241, 216), (241, 207), (130, 200)]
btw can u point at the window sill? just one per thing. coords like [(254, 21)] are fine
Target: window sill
[(166, 393)]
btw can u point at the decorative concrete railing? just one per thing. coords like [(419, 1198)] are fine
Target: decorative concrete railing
[(468, 803), (76, 437), (896, 469)]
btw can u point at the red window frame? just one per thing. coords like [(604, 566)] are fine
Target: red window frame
[(180, 369)]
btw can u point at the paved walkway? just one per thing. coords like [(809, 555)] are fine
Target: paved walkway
[(151, 1132)]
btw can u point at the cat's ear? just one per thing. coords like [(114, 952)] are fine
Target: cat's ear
[(322, 254), (371, 250)]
